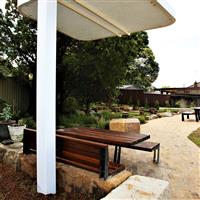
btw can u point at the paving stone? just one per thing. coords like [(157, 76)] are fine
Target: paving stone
[(140, 188)]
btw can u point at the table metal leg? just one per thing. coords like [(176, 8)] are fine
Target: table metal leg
[(197, 115), (117, 154)]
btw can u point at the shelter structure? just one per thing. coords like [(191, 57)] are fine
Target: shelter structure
[(83, 20), (190, 94)]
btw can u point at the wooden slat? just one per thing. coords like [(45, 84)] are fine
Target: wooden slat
[(146, 146), (104, 137), (86, 154)]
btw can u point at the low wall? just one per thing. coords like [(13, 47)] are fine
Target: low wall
[(69, 178)]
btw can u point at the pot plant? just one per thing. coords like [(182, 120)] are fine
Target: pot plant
[(17, 131), (5, 120)]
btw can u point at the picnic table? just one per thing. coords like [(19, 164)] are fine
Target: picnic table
[(116, 138), (197, 113)]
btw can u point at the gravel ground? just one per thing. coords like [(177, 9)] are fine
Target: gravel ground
[(180, 158)]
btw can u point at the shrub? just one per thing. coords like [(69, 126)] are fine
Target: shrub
[(102, 123), (76, 120), (142, 119), (157, 105), (70, 105), (29, 122), (6, 113), (106, 115)]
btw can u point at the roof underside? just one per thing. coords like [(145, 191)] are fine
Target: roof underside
[(91, 20)]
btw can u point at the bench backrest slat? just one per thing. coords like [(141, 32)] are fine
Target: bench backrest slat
[(82, 153)]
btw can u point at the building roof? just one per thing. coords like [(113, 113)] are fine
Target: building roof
[(129, 87)]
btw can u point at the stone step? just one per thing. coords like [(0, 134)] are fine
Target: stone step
[(140, 188)]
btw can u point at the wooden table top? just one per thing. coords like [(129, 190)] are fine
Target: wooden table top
[(104, 136)]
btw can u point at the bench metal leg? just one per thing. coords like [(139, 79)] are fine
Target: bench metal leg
[(197, 115), (156, 158), (187, 116), (182, 117)]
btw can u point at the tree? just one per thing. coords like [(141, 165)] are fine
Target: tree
[(18, 40), (143, 70), (18, 44), (95, 69), (18, 47)]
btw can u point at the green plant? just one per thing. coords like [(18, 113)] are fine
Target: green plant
[(157, 105), (102, 123), (70, 105), (142, 119), (28, 121), (6, 113), (77, 119)]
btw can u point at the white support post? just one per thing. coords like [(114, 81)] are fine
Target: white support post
[(46, 95)]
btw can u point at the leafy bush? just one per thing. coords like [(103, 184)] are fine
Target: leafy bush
[(102, 123), (106, 115), (2, 104), (142, 119), (70, 105), (6, 113), (76, 120), (29, 122)]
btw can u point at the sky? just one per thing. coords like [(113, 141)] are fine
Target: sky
[(177, 47)]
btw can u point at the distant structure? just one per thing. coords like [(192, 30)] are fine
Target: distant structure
[(189, 95), (183, 96), (132, 95)]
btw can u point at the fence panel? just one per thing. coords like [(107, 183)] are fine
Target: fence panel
[(15, 94)]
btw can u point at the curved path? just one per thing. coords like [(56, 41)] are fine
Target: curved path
[(180, 158)]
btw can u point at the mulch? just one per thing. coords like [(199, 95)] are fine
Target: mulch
[(18, 186)]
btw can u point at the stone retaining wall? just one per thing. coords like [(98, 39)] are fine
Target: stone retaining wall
[(69, 178)]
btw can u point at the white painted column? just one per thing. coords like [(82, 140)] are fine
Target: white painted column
[(46, 95)]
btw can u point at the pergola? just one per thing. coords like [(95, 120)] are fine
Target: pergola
[(83, 20)]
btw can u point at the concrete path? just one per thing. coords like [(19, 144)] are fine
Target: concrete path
[(180, 158)]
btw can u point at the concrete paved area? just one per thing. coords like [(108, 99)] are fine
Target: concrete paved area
[(179, 161)]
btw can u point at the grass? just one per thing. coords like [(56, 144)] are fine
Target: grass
[(195, 137)]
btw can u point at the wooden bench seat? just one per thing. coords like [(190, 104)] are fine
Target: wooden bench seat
[(142, 146), (81, 153), (149, 146)]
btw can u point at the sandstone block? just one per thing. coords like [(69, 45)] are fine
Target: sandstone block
[(9, 155), (28, 164), (125, 125), (140, 188)]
